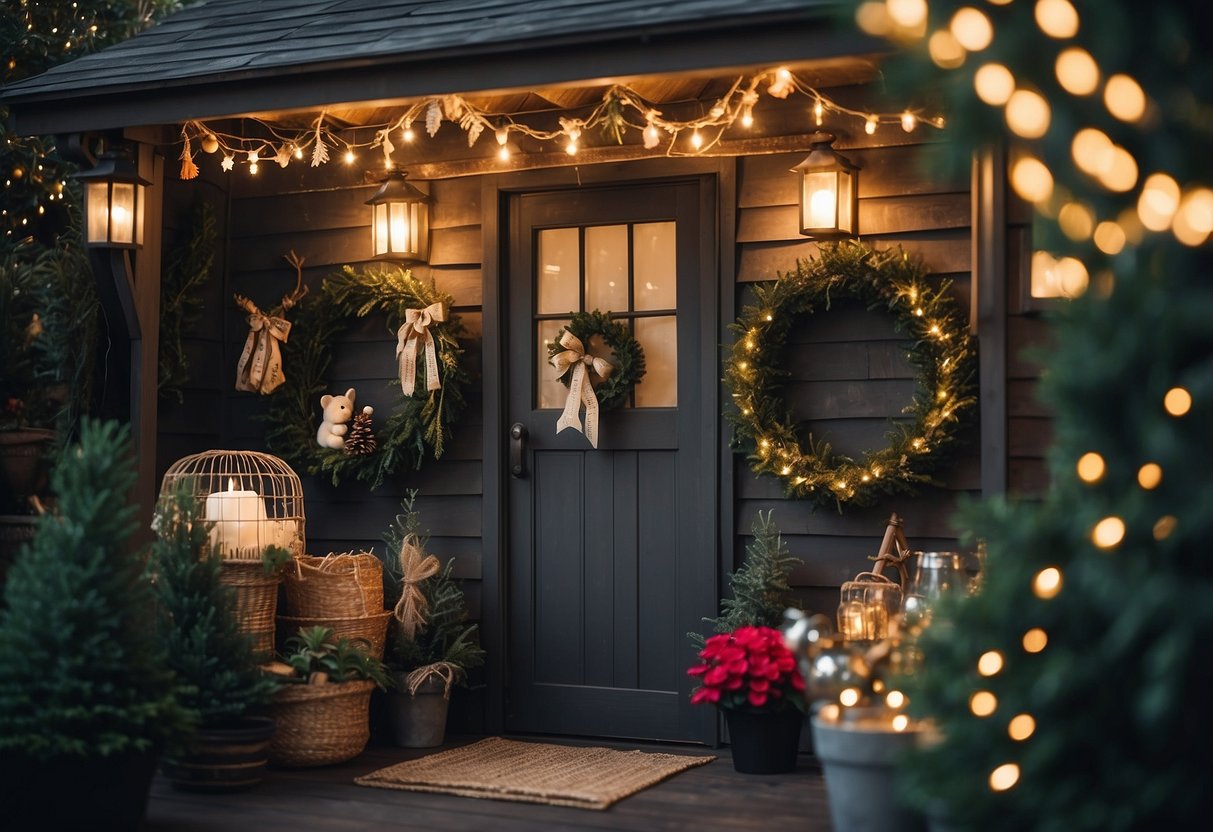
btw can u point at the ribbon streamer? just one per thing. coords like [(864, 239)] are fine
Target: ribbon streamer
[(260, 366), (581, 391), (415, 567), (414, 331)]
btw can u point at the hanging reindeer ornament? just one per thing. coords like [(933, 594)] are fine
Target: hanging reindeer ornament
[(260, 366)]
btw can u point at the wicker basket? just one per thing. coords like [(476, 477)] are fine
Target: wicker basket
[(337, 586), (320, 724), (256, 602), (373, 628)]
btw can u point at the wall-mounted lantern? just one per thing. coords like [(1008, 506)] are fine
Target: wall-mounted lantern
[(400, 221), (829, 191), (113, 202)]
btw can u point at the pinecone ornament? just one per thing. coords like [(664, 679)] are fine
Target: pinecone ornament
[(361, 439)]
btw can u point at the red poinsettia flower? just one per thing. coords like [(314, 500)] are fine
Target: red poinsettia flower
[(748, 668)]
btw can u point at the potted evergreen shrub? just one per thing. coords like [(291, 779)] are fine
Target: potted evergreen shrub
[(87, 697), (209, 653), (431, 646), (322, 706)]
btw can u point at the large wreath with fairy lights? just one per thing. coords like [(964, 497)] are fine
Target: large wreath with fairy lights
[(628, 366), (419, 424), (941, 349)]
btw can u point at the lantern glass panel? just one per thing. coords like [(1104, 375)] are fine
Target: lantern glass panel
[(97, 201), (821, 200), (846, 202), (122, 213), (139, 205)]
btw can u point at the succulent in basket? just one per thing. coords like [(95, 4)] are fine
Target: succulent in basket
[(315, 657)]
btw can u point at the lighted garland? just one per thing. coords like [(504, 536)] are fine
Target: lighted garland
[(419, 424), (941, 350), (615, 389)]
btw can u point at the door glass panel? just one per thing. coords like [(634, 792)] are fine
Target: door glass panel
[(551, 392), (659, 339), (653, 264), (558, 270), (606, 268)]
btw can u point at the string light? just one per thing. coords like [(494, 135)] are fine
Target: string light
[(1090, 467), (1077, 71), (1047, 583), (1035, 640), (972, 29), (1108, 532), (1004, 777), (1177, 401), (1149, 476), (994, 84), (901, 722), (869, 125), (1021, 727), (983, 703), (1124, 98), (1057, 18), (1164, 526), (1159, 202), (1028, 114), (989, 663)]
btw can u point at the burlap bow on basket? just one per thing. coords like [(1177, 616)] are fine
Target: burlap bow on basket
[(260, 366), (575, 357), (415, 567), (413, 332)]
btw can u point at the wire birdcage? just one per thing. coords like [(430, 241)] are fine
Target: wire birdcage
[(253, 500)]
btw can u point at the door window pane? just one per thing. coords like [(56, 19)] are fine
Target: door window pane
[(653, 265), (606, 268), (659, 339), (558, 270), (551, 393)]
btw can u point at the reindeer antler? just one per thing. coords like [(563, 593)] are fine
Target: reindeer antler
[(300, 290)]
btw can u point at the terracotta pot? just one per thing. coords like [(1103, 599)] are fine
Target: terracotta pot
[(765, 742), (418, 721), (223, 759), (21, 461), (75, 792)]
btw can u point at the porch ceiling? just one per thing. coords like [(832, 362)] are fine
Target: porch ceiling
[(233, 57)]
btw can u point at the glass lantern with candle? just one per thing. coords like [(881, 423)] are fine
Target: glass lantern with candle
[(868, 604)]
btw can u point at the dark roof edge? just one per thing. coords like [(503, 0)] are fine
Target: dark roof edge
[(744, 41)]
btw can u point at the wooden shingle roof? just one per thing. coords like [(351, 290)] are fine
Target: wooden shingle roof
[(225, 57)]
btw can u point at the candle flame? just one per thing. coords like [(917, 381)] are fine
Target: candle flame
[(231, 484)]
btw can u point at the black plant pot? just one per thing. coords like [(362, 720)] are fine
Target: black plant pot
[(75, 792), (224, 759), (765, 742)]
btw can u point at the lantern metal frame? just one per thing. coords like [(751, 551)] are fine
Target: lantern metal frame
[(400, 210), (115, 177), (833, 172)]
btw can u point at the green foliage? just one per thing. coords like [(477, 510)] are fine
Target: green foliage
[(940, 348), (201, 634), (82, 671), (615, 389), (314, 650), (446, 637), (189, 268), (1119, 694), (759, 587), (275, 559), (420, 423)]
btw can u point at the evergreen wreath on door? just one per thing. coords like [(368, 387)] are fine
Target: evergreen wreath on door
[(941, 349)]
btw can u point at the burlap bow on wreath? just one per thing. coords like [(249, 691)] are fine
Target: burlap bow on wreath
[(414, 331), (580, 389), (415, 567)]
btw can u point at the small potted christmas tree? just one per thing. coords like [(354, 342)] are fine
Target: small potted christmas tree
[(87, 698), (209, 653)]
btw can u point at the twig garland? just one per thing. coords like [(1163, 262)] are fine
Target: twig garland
[(419, 425), (941, 349)]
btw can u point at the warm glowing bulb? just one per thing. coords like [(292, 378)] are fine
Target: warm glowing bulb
[(989, 663), (1149, 475), (972, 29), (994, 84), (1092, 151), (901, 722), (908, 13), (1165, 525), (895, 699), (571, 147), (849, 697), (909, 121), (1178, 401), (1057, 18), (1047, 583), (1108, 532), (1028, 114), (1124, 98), (1109, 237), (1121, 176), (1077, 221), (1031, 179), (873, 18), (503, 153), (869, 125), (350, 157), (818, 111), (829, 712), (983, 703), (1077, 71), (1159, 201), (407, 134), (1021, 727), (696, 140), (1197, 210), (1004, 777), (747, 121), (298, 152), (1090, 467), (1034, 640), (945, 50)]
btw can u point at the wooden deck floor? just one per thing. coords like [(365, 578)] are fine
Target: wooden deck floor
[(710, 797)]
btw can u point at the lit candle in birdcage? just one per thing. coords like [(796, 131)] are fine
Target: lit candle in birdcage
[(867, 605), (238, 518)]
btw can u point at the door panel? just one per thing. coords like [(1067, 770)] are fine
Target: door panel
[(612, 556)]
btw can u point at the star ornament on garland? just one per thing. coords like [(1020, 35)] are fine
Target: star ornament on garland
[(228, 163)]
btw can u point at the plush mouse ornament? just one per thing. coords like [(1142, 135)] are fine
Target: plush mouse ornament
[(338, 410)]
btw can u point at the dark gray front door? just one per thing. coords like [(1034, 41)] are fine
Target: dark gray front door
[(612, 551)]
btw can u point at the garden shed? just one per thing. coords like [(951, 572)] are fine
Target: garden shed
[(573, 156)]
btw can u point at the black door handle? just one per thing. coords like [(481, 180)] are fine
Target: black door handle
[(518, 436)]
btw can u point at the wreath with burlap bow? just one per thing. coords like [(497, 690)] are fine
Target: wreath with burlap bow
[(427, 348)]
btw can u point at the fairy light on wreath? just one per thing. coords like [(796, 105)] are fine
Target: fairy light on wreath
[(620, 110), (419, 425), (941, 349)]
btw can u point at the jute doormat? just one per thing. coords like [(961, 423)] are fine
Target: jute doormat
[(558, 775)]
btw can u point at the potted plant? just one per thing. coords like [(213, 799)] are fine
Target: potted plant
[(431, 647), (752, 677), (322, 705), (87, 697), (209, 653)]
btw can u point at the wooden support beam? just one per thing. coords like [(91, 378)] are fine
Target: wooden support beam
[(145, 362)]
